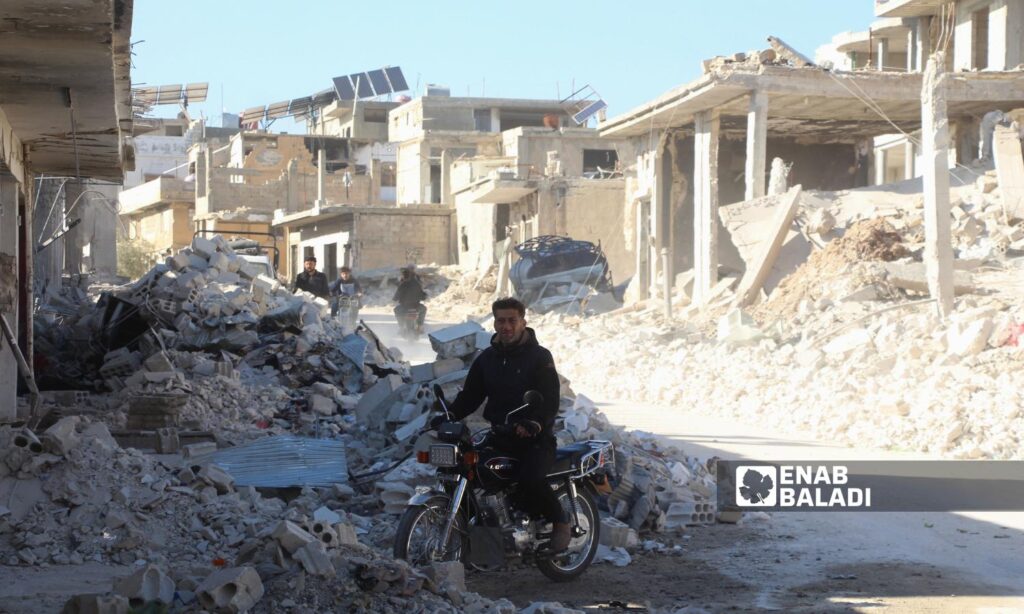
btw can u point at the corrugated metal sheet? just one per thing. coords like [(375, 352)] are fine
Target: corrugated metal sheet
[(285, 460)]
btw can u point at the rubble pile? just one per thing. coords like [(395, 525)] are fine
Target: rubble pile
[(848, 347)]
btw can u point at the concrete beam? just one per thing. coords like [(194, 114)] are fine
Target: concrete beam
[(705, 204), (938, 249), (757, 145), (755, 275)]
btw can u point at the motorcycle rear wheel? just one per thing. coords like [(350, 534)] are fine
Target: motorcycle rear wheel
[(420, 529), (570, 564)]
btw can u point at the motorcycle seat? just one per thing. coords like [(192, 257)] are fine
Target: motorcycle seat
[(568, 459)]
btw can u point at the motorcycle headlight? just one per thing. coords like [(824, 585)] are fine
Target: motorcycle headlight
[(442, 455)]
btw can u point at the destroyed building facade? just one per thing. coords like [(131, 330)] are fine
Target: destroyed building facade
[(84, 91), (709, 142)]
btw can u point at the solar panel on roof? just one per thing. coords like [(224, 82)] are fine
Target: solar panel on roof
[(344, 88), (396, 78), (379, 82), (196, 92), (278, 109), (589, 111), (168, 94), (324, 97), (362, 83), (253, 114), (300, 105)]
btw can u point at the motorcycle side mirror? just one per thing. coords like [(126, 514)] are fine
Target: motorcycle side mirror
[(533, 398), (438, 392)]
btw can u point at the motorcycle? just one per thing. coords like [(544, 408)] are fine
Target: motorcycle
[(347, 309), (470, 514), (408, 323)]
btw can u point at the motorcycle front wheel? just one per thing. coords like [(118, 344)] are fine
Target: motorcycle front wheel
[(568, 565), (418, 536)]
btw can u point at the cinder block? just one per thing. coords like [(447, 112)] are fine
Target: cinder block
[(203, 247), (313, 558), (235, 589), (376, 395), (215, 476), (61, 437), (145, 585), (455, 341), (291, 536)]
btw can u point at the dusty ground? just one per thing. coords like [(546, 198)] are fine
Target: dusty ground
[(707, 576)]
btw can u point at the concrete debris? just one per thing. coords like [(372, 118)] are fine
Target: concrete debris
[(145, 586), (235, 589), (455, 341)]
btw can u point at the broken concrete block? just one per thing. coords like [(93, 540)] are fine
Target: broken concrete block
[(203, 247), (730, 516), (843, 344), (61, 437), (195, 450), (145, 585), (291, 536), (376, 395), (215, 476), (219, 260), (313, 558), (346, 534), (737, 329), (968, 338), (28, 440), (322, 405), (412, 427), (912, 277), (326, 516), (107, 603), (617, 534), (179, 261), (167, 440), (455, 341), (159, 362), (447, 365), (235, 589)]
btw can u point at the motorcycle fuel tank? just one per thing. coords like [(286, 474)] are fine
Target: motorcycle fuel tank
[(496, 469)]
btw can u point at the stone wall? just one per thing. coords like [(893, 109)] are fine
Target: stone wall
[(395, 238)]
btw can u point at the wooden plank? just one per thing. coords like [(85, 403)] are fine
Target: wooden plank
[(1010, 168), (755, 275)]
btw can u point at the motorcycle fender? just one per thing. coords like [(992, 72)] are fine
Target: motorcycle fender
[(424, 497)]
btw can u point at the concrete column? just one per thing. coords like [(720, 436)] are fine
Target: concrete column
[(8, 291), (923, 47), (882, 53), (908, 160), (495, 120), (705, 204), (911, 42), (938, 249), (880, 163), (757, 145), (321, 171)]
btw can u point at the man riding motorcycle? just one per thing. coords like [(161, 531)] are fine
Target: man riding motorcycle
[(409, 296), (513, 364)]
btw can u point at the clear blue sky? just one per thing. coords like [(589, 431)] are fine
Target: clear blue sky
[(260, 52)]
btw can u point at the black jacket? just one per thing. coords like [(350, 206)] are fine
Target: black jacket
[(315, 283), (502, 374), (409, 293)]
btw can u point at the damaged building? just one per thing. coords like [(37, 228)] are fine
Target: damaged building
[(715, 140), (69, 121)]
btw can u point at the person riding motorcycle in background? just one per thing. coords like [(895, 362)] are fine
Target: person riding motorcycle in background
[(513, 364), (346, 285), (409, 296)]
